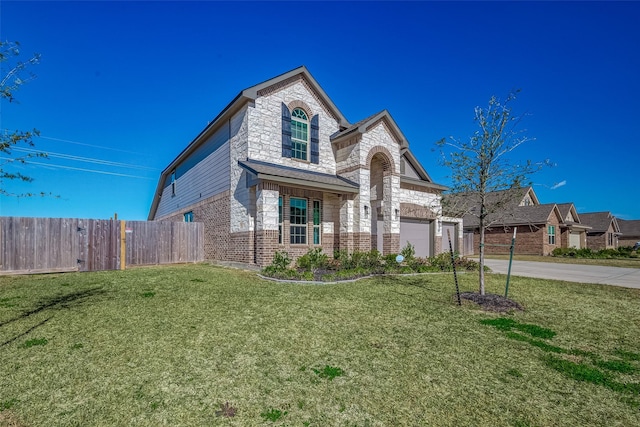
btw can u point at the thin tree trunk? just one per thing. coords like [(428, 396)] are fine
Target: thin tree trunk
[(481, 275)]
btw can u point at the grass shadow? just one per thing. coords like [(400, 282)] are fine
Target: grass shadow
[(54, 303), (57, 303)]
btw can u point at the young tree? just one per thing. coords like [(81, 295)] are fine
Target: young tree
[(481, 166), (14, 74)]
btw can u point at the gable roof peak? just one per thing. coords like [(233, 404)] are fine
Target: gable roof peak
[(255, 91)]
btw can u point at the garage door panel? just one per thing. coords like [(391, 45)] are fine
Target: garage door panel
[(418, 233), (574, 240)]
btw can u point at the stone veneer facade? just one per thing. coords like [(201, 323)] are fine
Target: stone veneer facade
[(242, 222)]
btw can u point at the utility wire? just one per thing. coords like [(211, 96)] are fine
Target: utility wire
[(89, 145), (83, 159), (53, 166)]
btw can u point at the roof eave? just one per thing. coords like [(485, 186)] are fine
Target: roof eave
[(423, 183), (234, 106)]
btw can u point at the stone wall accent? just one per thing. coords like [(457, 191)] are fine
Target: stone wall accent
[(301, 104), (412, 210), (388, 166), (297, 79), (265, 125)]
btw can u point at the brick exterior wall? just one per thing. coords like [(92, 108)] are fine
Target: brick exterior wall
[(600, 241), (362, 242), (390, 243), (266, 246), (530, 240), (628, 241), (214, 214), (241, 247)]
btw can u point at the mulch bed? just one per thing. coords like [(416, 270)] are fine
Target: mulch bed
[(492, 302)]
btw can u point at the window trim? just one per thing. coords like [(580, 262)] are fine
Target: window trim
[(280, 219), (188, 216), (295, 142), (317, 225), (551, 232), (302, 226)]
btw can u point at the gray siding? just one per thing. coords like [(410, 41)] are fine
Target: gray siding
[(205, 173), (409, 171)]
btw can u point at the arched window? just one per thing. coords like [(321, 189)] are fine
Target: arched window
[(299, 134)]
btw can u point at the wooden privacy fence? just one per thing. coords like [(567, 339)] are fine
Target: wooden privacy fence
[(42, 245)]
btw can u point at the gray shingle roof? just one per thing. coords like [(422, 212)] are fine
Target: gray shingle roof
[(518, 215), (599, 221), (289, 175), (459, 204), (629, 228)]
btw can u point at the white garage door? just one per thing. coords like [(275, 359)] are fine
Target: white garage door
[(574, 240), (418, 233)]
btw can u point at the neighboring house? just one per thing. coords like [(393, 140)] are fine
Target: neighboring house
[(604, 230), (281, 169), (573, 234), (630, 230), (540, 227)]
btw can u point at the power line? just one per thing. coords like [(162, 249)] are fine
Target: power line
[(84, 144), (29, 162), (84, 159)]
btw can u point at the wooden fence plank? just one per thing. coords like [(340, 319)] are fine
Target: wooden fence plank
[(72, 244)]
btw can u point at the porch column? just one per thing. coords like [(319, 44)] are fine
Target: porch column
[(346, 222), (266, 222), (391, 213)]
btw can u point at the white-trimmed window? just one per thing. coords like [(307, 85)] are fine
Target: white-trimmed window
[(280, 217), (551, 232), (298, 221), (299, 134), (317, 221)]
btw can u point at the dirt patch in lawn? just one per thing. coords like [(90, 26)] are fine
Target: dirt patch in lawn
[(492, 302)]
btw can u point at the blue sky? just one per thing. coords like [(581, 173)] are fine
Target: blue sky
[(128, 85)]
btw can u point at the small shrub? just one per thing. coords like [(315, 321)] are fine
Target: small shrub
[(408, 252), (280, 264), (313, 260)]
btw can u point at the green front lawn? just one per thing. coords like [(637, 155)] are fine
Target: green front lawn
[(198, 345)]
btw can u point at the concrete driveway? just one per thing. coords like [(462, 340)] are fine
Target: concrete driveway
[(617, 276)]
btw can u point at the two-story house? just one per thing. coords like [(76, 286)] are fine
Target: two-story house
[(281, 169)]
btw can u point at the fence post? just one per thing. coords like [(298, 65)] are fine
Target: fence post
[(123, 245)]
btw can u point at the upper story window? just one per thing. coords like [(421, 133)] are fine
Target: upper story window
[(299, 134)]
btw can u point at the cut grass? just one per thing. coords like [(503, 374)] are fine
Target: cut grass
[(409, 356)]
